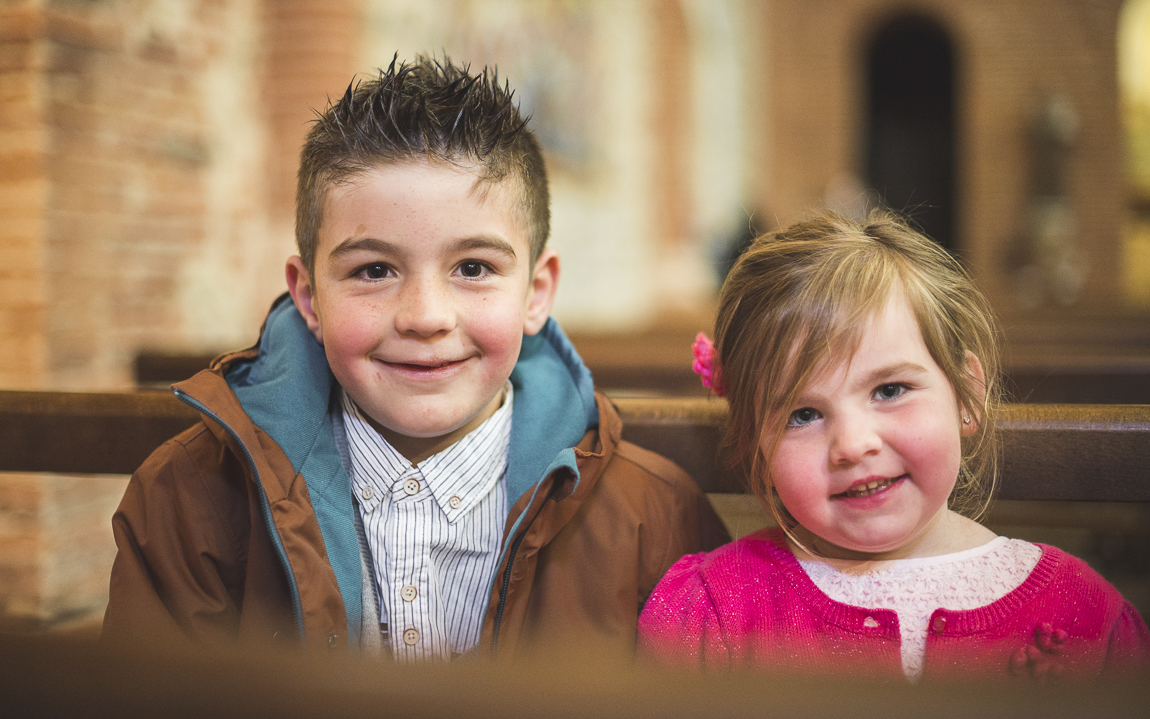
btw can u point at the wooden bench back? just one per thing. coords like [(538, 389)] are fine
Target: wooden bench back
[(1049, 452), (658, 363)]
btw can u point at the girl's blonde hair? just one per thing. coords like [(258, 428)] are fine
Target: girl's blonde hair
[(799, 299)]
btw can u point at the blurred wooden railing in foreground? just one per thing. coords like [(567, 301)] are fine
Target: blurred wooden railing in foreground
[(53, 678), (1098, 453)]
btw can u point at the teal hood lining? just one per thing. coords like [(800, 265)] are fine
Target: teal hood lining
[(286, 392), (554, 407)]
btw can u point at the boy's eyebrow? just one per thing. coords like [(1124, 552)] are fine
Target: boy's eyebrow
[(487, 242), (374, 244), (369, 244)]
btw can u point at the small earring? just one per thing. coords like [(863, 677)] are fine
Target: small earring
[(966, 420)]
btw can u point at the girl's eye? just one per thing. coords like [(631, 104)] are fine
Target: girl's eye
[(889, 391), (473, 269), (374, 271), (799, 417)]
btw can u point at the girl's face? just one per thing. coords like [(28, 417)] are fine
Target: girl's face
[(872, 449)]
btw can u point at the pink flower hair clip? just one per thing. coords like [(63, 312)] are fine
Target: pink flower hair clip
[(704, 365)]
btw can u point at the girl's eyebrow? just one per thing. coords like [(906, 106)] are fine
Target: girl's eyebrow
[(875, 377), (900, 368)]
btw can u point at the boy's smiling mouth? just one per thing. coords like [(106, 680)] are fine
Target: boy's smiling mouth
[(429, 367), (869, 486), (422, 365)]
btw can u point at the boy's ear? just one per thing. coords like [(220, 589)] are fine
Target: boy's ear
[(541, 292), (299, 286), (977, 381)]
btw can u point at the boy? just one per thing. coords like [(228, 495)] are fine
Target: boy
[(412, 459)]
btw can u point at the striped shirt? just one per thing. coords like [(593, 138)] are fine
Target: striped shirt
[(434, 532)]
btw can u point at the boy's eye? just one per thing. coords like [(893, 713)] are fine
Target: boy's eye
[(374, 271), (799, 417), (472, 269), (889, 391)]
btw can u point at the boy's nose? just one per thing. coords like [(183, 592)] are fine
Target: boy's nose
[(424, 309), (852, 440)]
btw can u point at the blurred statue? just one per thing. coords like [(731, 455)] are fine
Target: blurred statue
[(1046, 263)]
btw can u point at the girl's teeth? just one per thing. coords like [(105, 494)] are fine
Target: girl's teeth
[(869, 488)]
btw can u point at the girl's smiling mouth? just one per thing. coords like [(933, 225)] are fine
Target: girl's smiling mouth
[(868, 487)]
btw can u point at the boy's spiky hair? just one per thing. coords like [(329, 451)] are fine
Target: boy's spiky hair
[(431, 109)]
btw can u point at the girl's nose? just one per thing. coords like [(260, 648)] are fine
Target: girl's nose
[(853, 439), (424, 309)]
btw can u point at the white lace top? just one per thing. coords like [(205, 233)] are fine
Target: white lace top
[(914, 588)]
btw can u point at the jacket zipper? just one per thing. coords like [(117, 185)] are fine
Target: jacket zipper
[(507, 575), (277, 544)]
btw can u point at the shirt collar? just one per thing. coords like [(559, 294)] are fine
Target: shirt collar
[(467, 470)]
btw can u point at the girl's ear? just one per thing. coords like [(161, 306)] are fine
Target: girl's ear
[(976, 379)]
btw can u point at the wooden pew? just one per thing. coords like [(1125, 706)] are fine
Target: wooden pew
[(1076, 476), (1095, 453), (659, 363)]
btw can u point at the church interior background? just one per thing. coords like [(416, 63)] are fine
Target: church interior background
[(148, 151)]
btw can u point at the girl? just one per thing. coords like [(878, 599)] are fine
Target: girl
[(861, 367)]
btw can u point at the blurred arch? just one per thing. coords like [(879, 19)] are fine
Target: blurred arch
[(911, 126)]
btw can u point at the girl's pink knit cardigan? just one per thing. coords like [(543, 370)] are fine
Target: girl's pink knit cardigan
[(750, 605)]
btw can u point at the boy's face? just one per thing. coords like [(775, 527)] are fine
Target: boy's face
[(422, 291)]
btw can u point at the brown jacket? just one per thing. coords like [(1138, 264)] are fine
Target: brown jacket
[(196, 558)]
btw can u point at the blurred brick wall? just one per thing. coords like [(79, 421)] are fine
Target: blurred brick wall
[(55, 549), (122, 142), (312, 50), (23, 200), (125, 167), (147, 171), (117, 199)]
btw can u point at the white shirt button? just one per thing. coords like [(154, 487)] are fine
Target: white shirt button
[(455, 502), (411, 486), (411, 637), (408, 593), (367, 493)]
